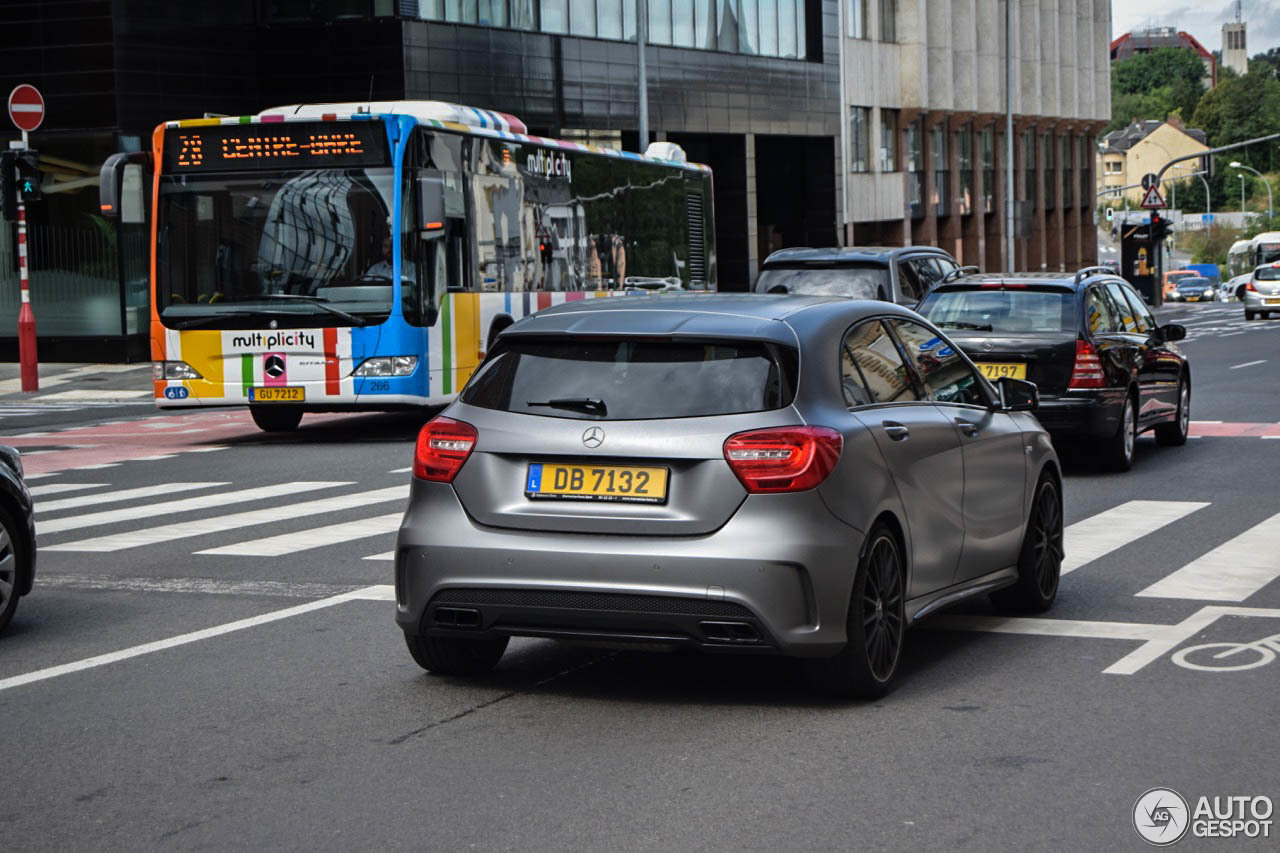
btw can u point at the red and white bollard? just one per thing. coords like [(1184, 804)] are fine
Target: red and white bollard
[(26, 317)]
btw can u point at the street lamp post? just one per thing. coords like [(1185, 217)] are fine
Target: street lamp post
[(1236, 164), (1241, 177)]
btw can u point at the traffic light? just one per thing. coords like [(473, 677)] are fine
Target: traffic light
[(1159, 226), (8, 185), (28, 163)]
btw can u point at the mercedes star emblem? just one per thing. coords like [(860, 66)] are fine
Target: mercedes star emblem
[(987, 345), (273, 366), (593, 437)]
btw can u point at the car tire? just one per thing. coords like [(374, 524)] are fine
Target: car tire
[(1119, 451), (276, 419), (866, 666), (1248, 315), (1174, 434), (11, 560), (456, 656), (1040, 559)]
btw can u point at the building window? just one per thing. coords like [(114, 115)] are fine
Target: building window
[(859, 139), (988, 169), (941, 171), (888, 140), (1029, 166), (888, 20), (914, 154), (857, 19), (1068, 182), (1046, 150), (964, 161)]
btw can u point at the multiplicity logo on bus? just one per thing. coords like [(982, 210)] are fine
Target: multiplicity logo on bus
[(549, 165)]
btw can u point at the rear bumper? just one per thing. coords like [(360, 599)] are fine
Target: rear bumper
[(1096, 415), (775, 578), (1261, 302)]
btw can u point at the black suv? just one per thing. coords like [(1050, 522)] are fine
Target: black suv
[(901, 274), (1105, 369)]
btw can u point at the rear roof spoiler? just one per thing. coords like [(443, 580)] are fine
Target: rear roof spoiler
[(1081, 275), (952, 275)]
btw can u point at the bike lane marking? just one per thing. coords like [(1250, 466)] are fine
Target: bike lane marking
[(383, 592), (1158, 639)]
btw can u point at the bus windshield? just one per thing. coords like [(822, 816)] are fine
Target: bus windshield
[(275, 248)]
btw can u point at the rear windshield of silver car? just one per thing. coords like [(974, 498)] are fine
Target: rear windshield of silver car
[(997, 310), (629, 379), (1268, 273), (855, 282)]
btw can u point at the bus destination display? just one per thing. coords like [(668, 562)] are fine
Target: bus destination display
[(278, 145)]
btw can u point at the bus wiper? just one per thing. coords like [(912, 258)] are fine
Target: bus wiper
[(960, 324), (319, 302), (590, 405), (211, 319)]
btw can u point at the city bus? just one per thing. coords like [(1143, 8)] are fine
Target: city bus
[(351, 257), (1245, 255)]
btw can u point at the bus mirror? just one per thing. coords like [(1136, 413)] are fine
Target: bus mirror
[(431, 206), (122, 190)]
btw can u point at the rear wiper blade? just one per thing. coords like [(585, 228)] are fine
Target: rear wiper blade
[(960, 324), (590, 405), (319, 302)]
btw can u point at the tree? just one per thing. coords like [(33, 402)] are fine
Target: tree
[(1243, 108), (1153, 85)]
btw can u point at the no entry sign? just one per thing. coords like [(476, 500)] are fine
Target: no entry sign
[(26, 107)]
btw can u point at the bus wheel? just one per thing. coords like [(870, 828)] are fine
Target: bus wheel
[(276, 418)]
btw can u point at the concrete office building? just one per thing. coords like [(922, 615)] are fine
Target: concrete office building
[(923, 116)]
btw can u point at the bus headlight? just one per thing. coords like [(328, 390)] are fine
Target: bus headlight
[(163, 370), (387, 365)]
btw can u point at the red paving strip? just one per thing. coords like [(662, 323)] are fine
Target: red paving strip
[(1236, 430), (103, 444)]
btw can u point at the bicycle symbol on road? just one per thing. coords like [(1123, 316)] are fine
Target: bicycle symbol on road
[(1229, 657)]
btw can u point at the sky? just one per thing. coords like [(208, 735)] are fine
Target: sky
[(1203, 19)]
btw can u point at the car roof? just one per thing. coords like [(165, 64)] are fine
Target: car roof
[(847, 254), (1062, 279), (714, 315)]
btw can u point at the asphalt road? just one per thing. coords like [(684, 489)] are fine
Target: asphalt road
[(298, 720)]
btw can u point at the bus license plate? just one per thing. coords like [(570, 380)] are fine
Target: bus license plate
[(280, 394), (596, 483), (992, 370)]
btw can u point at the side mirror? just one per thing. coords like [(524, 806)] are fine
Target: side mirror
[(1173, 332), (122, 190), (431, 204), (1017, 395)]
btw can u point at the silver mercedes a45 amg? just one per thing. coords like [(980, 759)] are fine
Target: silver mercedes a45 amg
[(796, 475)]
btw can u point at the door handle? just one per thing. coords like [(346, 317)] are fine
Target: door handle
[(896, 431), (969, 429)]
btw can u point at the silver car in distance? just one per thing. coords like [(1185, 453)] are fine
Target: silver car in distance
[(796, 475)]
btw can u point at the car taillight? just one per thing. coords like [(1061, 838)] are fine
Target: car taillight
[(1087, 372), (443, 446), (1250, 286), (783, 459)]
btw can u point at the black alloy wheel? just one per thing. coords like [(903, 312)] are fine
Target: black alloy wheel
[(1174, 434), (1040, 560), (876, 623), (9, 562), (1119, 451)]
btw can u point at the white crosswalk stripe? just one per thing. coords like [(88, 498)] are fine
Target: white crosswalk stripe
[(1099, 535), (303, 540), (58, 488), (1233, 571), (122, 495), (151, 511), (234, 521)]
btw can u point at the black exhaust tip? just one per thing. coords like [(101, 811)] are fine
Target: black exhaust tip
[(730, 632), (457, 617)]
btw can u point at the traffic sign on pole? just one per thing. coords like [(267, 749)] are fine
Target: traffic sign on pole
[(1149, 180), (26, 107), (1152, 200)]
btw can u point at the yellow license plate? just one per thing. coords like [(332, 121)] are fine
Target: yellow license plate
[(281, 394), (1271, 301), (1193, 298), (597, 483), (993, 370)]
